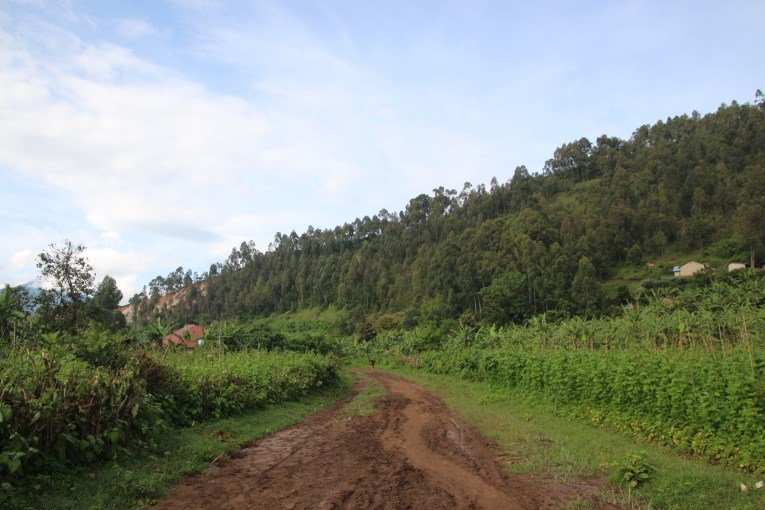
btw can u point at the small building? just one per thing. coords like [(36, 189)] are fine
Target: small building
[(689, 268), (189, 335), (735, 266)]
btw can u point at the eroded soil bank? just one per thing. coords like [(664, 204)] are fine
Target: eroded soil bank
[(411, 453)]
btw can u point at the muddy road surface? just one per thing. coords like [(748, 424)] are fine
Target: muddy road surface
[(411, 453)]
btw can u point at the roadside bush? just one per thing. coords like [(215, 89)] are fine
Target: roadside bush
[(213, 386), (58, 409), (78, 399)]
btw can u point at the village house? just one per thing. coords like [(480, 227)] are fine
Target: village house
[(189, 335), (689, 268)]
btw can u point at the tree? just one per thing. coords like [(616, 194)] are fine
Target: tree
[(635, 254), (751, 227), (585, 289), (506, 299), (105, 304), (72, 278), (14, 308)]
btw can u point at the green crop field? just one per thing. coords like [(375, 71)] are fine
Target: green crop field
[(78, 399)]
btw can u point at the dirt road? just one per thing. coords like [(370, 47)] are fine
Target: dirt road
[(411, 453)]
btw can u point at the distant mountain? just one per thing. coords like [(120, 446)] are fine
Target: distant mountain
[(34, 287)]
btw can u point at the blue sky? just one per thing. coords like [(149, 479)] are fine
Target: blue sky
[(163, 133)]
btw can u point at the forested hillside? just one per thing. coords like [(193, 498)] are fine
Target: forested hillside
[(537, 242)]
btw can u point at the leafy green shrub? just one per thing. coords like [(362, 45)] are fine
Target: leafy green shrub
[(81, 398), (319, 343), (60, 410), (239, 335), (389, 322), (634, 471), (209, 385)]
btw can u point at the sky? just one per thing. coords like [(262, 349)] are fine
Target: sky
[(162, 133)]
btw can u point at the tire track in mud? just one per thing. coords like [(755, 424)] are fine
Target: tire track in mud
[(411, 453)]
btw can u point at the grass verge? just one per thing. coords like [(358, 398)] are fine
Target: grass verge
[(138, 480), (363, 403), (539, 439)]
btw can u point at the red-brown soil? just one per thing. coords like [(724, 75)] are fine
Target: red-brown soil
[(411, 453)]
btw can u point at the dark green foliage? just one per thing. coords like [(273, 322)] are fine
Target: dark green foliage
[(319, 343), (15, 306), (686, 183), (367, 332), (505, 300), (66, 407), (389, 322), (586, 292), (208, 385), (104, 307), (635, 255)]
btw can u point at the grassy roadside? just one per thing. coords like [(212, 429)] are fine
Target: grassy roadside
[(539, 439), (137, 481), (363, 403)]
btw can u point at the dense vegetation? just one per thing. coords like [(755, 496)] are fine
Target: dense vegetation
[(75, 399), (502, 285), (538, 242), (76, 385), (685, 367)]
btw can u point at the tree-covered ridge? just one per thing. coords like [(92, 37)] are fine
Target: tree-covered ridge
[(538, 242)]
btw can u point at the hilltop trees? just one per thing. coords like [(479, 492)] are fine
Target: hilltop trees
[(539, 242)]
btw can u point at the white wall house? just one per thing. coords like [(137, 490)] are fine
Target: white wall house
[(689, 268)]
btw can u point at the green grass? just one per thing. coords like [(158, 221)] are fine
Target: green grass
[(363, 403), (612, 286), (137, 480), (329, 314), (539, 440)]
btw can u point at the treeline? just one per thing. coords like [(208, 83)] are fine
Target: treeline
[(540, 242)]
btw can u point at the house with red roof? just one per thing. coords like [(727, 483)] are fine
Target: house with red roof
[(189, 336)]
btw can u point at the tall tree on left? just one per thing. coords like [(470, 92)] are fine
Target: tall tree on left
[(71, 276)]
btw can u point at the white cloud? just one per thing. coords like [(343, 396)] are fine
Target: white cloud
[(123, 266), (23, 258), (140, 148), (135, 28), (110, 236)]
